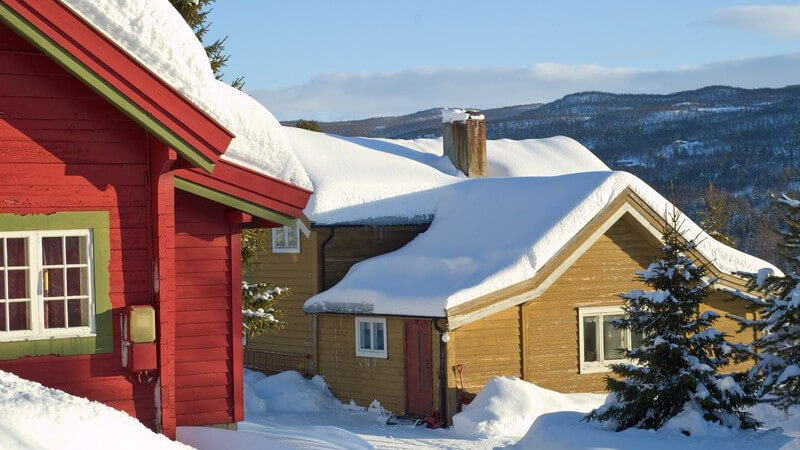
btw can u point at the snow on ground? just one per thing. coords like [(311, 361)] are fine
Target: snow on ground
[(36, 417), (288, 411), (155, 34), (507, 406)]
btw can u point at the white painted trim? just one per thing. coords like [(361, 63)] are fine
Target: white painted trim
[(371, 353), (296, 249), (600, 365), (35, 269)]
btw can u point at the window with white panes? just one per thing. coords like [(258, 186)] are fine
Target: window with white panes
[(47, 284), (601, 342), (286, 239), (371, 337)]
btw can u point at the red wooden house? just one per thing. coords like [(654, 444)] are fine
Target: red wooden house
[(113, 194)]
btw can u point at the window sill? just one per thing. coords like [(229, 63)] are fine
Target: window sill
[(375, 355), (285, 250), (24, 338), (595, 369)]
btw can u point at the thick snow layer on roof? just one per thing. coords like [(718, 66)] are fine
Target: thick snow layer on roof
[(36, 417), (360, 180), (488, 234), (391, 181), (557, 155), (156, 35)]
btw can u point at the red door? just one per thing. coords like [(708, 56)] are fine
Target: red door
[(419, 377)]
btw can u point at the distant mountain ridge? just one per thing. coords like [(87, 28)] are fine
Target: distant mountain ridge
[(745, 141), (638, 132)]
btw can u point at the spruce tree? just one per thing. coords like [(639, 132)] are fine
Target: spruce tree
[(259, 313), (777, 346), (677, 367), (715, 217), (195, 13)]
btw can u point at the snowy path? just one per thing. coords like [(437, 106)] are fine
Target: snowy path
[(373, 429)]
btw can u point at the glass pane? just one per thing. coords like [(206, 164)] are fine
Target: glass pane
[(76, 250), (2, 260), (291, 237), (53, 282), (590, 338), (17, 253), (18, 283), (51, 251), (77, 280), (78, 312), (366, 338), (378, 329), (3, 317), (2, 287), (615, 340), (18, 316), (636, 340), (54, 314)]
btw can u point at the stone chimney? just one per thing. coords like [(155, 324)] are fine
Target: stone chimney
[(464, 136)]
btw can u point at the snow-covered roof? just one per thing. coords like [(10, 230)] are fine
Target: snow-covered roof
[(486, 234), (155, 34), (394, 181), (38, 417)]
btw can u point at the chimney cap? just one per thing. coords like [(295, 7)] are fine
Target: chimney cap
[(450, 115)]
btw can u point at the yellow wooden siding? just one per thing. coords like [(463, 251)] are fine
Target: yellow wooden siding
[(357, 378), (486, 348), (298, 272), (353, 244), (606, 269)]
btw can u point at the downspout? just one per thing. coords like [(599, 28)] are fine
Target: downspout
[(442, 370), (322, 258), (320, 288)]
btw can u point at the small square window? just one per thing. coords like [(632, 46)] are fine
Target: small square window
[(371, 337), (286, 239), (601, 343)]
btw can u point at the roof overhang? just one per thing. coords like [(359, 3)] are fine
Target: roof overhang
[(626, 204), (261, 196), (117, 77)]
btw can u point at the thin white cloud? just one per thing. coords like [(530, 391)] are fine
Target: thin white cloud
[(348, 96), (776, 20)]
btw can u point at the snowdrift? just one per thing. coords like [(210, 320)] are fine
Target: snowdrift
[(507, 406), (33, 416)]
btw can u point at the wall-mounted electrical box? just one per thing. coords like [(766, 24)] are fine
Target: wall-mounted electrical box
[(139, 348)]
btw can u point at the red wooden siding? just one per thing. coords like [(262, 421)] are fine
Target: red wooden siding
[(204, 369), (63, 148), (127, 75)]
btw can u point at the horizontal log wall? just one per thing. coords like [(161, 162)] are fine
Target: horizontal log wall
[(300, 273), (547, 353), (362, 379), (204, 372), (63, 148)]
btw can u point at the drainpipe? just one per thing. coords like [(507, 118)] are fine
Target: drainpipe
[(442, 370), (322, 257)]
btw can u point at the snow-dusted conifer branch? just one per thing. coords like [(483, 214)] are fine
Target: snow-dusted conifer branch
[(776, 349), (677, 366)]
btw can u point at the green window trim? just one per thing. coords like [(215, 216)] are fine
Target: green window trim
[(234, 202), (102, 341), (72, 65)]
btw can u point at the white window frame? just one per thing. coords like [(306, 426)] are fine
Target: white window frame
[(370, 353), (601, 365), (278, 248), (36, 288)]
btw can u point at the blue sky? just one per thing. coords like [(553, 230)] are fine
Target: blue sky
[(349, 59)]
